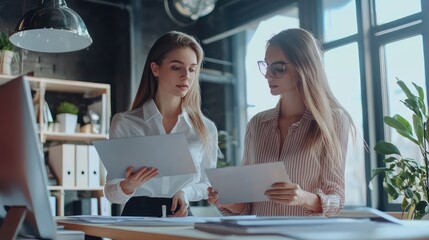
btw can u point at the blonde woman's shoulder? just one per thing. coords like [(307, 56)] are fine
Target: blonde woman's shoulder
[(340, 116), (211, 126)]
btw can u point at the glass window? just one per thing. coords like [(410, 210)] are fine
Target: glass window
[(258, 94), (385, 12), (404, 60), (339, 19), (342, 69)]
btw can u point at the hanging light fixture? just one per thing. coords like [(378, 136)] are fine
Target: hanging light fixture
[(52, 28), (188, 10), (194, 8)]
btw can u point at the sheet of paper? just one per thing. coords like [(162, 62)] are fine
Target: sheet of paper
[(169, 153), (246, 183)]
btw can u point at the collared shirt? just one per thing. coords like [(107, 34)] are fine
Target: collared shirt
[(305, 168), (147, 120)]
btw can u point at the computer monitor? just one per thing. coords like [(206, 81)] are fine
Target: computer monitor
[(24, 196)]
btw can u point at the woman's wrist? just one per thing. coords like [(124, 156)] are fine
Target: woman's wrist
[(127, 190), (313, 202), (235, 208)]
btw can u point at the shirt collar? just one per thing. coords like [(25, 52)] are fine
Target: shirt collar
[(150, 110), (185, 116), (274, 114)]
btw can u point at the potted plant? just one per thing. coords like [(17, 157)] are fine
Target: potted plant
[(6, 54), (67, 117), (404, 176), (224, 139)]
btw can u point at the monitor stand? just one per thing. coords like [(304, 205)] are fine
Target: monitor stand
[(12, 222)]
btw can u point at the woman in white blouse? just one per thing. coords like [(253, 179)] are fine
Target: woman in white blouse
[(168, 101)]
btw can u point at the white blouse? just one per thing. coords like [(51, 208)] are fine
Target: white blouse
[(147, 120)]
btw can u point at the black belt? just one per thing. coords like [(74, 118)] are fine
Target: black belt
[(149, 207)]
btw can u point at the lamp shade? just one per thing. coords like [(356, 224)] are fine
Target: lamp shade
[(194, 8), (52, 28)]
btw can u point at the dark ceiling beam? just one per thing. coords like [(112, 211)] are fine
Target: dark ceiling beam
[(230, 17)]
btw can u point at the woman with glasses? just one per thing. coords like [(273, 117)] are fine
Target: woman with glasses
[(307, 130)]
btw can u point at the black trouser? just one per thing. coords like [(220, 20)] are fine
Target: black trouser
[(148, 207)]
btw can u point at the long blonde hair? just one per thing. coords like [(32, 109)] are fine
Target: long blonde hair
[(304, 52), (148, 84)]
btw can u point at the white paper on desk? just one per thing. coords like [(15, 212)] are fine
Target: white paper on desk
[(168, 153), (246, 183)]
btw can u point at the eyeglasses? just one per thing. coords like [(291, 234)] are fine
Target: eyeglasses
[(277, 69)]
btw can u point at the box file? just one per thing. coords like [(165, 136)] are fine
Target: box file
[(81, 165), (62, 161), (93, 167)]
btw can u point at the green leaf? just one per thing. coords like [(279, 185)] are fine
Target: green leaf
[(421, 98), (408, 192), (390, 159), (405, 89), (391, 190), (421, 206), (413, 105), (399, 123), (418, 128), (386, 148), (376, 171)]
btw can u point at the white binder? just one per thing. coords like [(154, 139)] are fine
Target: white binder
[(93, 167), (62, 161), (81, 165)]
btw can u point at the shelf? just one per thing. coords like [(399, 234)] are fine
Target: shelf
[(60, 188), (89, 89), (54, 136), (84, 90)]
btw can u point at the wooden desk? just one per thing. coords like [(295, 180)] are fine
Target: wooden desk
[(153, 233)]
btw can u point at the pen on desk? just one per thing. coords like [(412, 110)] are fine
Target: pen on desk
[(164, 211)]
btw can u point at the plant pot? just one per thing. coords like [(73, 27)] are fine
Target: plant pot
[(6, 57), (67, 122)]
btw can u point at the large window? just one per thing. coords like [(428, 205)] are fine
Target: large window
[(343, 70), (368, 45), (403, 60)]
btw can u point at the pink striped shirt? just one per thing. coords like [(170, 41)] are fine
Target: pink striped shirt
[(306, 168)]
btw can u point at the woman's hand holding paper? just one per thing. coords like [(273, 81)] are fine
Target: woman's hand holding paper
[(135, 179), (292, 194), (214, 200)]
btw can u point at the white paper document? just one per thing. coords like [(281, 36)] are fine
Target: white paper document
[(168, 153), (246, 183)]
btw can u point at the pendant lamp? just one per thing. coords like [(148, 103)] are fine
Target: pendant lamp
[(51, 28)]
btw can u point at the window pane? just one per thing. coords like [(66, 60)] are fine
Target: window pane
[(339, 19), (404, 60), (389, 10), (342, 69)]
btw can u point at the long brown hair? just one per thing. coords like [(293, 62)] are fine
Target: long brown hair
[(148, 84)]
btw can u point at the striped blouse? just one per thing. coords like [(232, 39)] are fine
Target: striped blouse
[(305, 168)]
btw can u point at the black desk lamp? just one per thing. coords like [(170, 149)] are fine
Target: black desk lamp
[(52, 28)]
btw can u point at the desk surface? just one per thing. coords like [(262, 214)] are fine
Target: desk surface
[(366, 230), (155, 233)]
